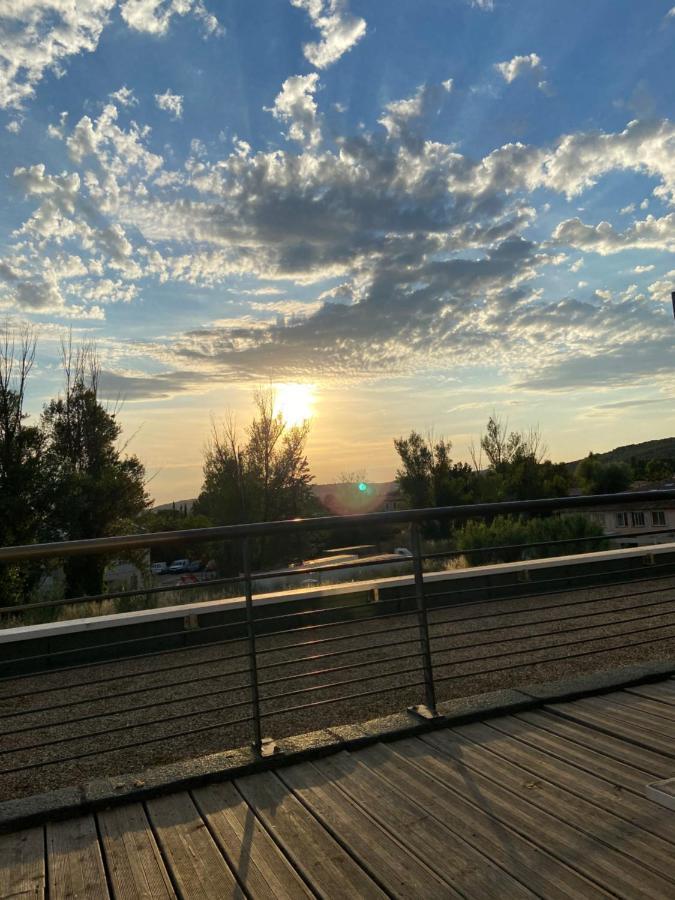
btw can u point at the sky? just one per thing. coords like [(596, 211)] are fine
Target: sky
[(401, 214)]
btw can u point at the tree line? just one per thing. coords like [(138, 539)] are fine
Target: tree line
[(65, 476)]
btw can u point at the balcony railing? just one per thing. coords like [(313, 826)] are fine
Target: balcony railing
[(288, 661)]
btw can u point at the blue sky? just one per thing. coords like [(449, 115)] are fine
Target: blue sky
[(420, 210)]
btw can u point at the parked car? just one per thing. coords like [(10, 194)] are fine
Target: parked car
[(179, 565), (402, 551), (195, 566), (159, 568)]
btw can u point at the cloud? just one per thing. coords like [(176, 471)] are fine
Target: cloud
[(650, 233), (296, 106), (640, 269), (171, 103), (519, 65), (339, 30), (399, 116), (38, 37), (154, 16), (124, 97)]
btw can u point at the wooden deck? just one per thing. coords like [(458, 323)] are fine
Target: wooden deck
[(549, 803)]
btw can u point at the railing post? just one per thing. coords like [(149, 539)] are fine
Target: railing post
[(263, 746), (428, 709)]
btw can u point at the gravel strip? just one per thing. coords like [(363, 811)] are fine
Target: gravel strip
[(65, 728)]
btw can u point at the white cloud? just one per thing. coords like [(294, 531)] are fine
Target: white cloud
[(399, 115), (296, 106), (124, 97), (626, 210), (650, 233), (671, 13), (154, 16), (171, 103), (14, 127), (512, 68), (339, 30), (640, 269), (38, 36), (577, 265)]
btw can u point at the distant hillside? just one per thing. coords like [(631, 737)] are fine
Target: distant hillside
[(663, 448), (177, 504)]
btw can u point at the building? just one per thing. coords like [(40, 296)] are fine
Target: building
[(637, 524)]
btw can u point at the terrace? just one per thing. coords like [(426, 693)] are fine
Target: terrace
[(459, 732)]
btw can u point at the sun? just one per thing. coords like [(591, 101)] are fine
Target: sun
[(295, 402)]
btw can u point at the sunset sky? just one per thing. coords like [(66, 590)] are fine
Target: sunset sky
[(408, 213)]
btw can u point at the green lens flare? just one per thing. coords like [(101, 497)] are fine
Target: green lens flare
[(363, 487)]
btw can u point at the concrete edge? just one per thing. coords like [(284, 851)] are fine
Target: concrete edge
[(242, 761)]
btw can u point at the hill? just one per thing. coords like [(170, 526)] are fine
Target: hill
[(662, 448)]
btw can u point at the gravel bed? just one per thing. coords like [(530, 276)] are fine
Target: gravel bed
[(64, 728)]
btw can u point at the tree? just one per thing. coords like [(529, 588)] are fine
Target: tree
[(263, 476), (96, 487), (597, 477), (22, 485), (428, 476)]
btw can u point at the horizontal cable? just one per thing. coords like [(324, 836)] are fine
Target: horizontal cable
[(560, 542), (563, 633), (333, 653), (396, 687), (534, 594), (126, 641), (543, 662), (334, 684), (357, 665), (110, 678), (548, 647), (114, 697), (557, 619), (131, 745), (263, 651), (121, 595), (126, 727)]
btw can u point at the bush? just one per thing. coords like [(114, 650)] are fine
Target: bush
[(499, 539)]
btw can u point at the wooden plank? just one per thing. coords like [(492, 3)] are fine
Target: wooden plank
[(400, 872), (662, 792), (586, 787), (324, 864), (603, 721), (639, 758), (511, 798), (613, 771), (252, 854), (458, 835), (22, 864), (645, 705), (198, 868), (663, 691), (639, 719), (74, 863), (134, 863)]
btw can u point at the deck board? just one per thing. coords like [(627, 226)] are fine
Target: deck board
[(133, 859), (22, 864), (398, 870), (196, 864), (551, 802), (315, 853), (75, 861), (257, 861)]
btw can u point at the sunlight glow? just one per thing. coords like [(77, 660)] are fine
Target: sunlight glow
[(295, 402)]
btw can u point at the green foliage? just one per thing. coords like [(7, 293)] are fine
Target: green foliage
[(176, 520), (597, 477), (507, 531), (93, 485), (263, 478)]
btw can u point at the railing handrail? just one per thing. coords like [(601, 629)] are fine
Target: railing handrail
[(258, 529)]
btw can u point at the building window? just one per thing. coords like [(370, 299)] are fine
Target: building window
[(637, 519), (622, 520), (658, 517)]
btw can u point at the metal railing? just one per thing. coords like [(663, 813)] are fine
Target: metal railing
[(287, 658)]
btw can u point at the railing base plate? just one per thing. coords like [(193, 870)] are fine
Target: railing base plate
[(268, 747), (423, 712)]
